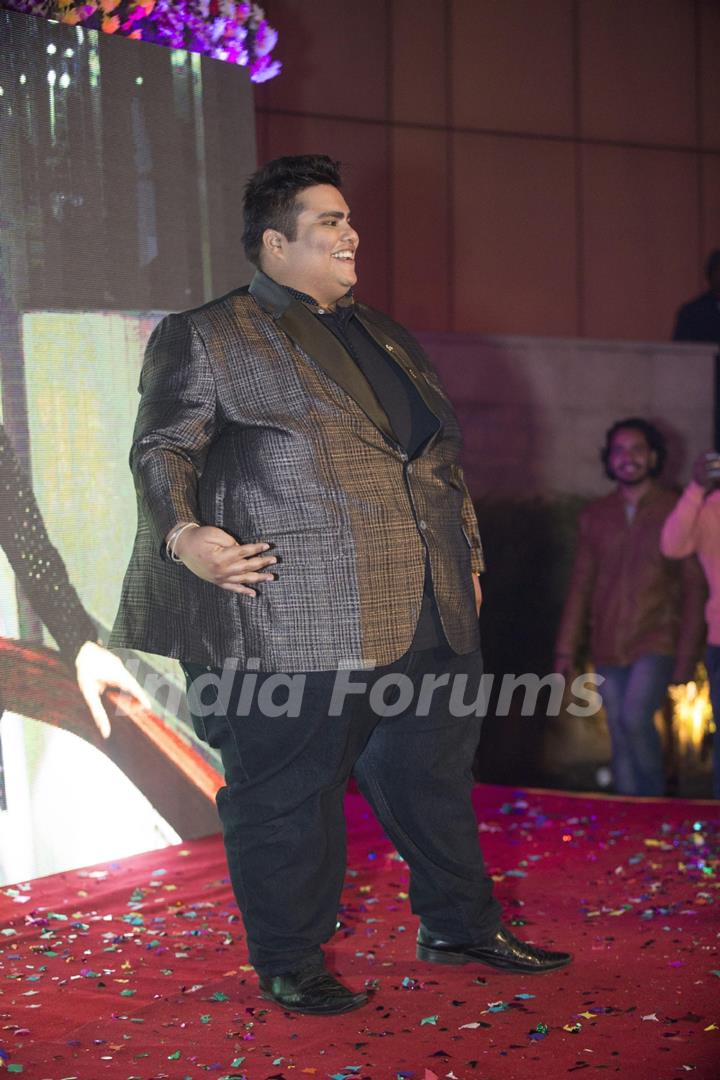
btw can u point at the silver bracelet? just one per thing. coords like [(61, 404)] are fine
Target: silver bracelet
[(171, 534), (175, 536)]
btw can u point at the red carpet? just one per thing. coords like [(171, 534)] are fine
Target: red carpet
[(137, 969)]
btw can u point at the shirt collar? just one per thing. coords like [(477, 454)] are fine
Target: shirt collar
[(344, 305), (654, 492), (275, 299)]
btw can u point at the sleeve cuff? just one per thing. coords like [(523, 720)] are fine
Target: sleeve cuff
[(477, 561)]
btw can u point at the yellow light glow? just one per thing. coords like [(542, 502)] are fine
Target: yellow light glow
[(692, 715)]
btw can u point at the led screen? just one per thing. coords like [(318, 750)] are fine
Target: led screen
[(121, 173)]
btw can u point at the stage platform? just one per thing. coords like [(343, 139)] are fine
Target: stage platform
[(138, 969)]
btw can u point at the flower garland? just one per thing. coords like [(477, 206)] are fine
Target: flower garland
[(224, 29)]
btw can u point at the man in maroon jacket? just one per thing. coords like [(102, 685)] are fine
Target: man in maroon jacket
[(645, 612)]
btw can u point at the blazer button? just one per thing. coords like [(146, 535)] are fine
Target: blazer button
[(409, 469), (422, 524)]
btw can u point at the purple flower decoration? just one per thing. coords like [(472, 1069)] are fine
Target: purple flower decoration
[(224, 29), (262, 69), (27, 7), (265, 39)]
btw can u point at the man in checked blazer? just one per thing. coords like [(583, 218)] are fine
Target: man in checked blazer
[(304, 526)]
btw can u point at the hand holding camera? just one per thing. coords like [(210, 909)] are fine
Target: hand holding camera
[(706, 470)]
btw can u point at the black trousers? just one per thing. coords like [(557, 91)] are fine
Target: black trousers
[(282, 806)]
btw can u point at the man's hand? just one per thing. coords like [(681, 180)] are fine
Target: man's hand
[(97, 670), (477, 588), (215, 556), (706, 470)]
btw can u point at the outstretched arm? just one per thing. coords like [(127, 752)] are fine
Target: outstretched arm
[(680, 533)]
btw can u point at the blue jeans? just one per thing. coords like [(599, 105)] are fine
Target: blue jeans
[(712, 663), (631, 696)]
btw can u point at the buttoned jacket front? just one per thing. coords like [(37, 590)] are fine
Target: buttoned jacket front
[(253, 418)]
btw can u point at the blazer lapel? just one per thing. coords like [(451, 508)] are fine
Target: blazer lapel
[(322, 346), (425, 389)]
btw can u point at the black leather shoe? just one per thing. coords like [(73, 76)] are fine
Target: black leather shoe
[(502, 951), (315, 991)]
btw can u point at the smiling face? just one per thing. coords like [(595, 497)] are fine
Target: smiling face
[(320, 260), (630, 459)]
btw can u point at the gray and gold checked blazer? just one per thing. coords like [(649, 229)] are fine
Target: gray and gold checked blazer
[(255, 419)]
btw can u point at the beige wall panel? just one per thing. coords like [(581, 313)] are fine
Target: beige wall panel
[(637, 71), (534, 411), (512, 65), (640, 227), (514, 236)]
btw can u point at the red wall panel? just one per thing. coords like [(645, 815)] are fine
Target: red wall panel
[(418, 67), (334, 55), (710, 224), (709, 76), (421, 278), (514, 236), (637, 71), (640, 239), (473, 209), (512, 65)]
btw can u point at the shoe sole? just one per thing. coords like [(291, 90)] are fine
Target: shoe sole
[(355, 1004), (438, 956)]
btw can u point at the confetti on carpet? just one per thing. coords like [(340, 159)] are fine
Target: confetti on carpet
[(138, 970)]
